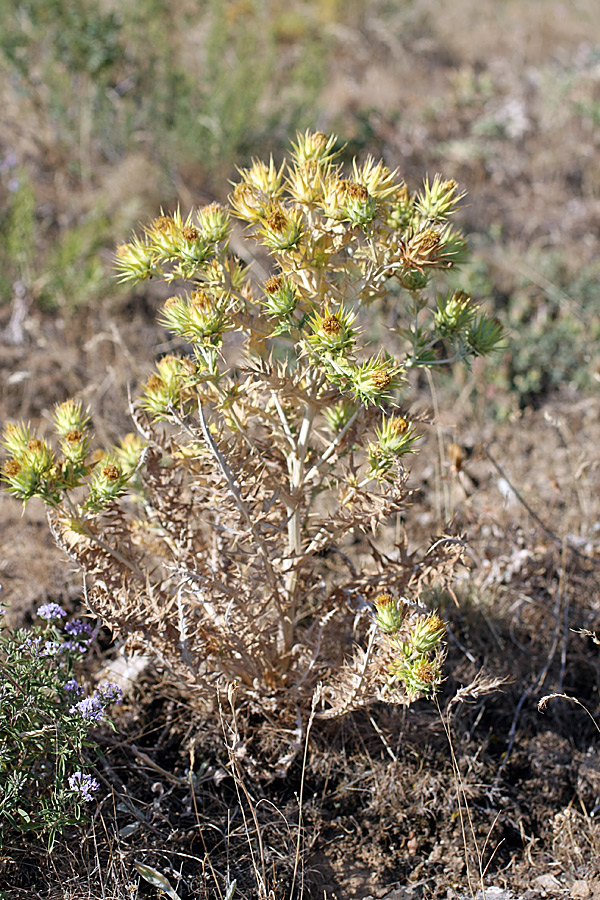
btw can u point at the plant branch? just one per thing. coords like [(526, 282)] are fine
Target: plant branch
[(330, 450)]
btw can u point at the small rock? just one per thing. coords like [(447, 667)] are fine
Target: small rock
[(548, 883), (580, 890), (401, 894), (125, 670), (496, 893)]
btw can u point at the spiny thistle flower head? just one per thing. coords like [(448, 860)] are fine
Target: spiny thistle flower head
[(426, 633), (451, 251), (413, 280), (314, 145), (389, 613), (395, 437), (438, 199), (266, 179), (75, 446), (39, 456), (356, 203), (333, 197), (190, 234), (348, 200), (16, 438), (378, 180), (196, 317), (399, 210), (281, 229), (108, 482), (420, 677), (135, 261), (21, 479), (168, 386), (420, 249), (11, 470), (164, 234), (281, 296), (248, 203), (332, 332), (129, 451), (375, 380), (306, 182), (193, 246), (214, 223), (70, 416), (454, 313), (72, 425)]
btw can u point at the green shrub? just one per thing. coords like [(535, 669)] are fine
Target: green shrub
[(45, 723)]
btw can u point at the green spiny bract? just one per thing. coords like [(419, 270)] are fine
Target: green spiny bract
[(416, 648), (276, 435)]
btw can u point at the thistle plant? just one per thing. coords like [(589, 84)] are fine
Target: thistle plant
[(45, 724), (215, 535)]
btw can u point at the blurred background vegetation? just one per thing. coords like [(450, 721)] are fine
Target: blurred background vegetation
[(109, 111)]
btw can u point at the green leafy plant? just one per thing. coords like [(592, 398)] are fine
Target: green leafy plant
[(62, 275), (95, 85), (45, 723), (17, 249), (216, 536), (202, 76)]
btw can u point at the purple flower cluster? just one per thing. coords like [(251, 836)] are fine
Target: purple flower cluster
[(76, 646), (7, 164), (9, 161), (72, 685), (109, 692), (94, 708), (90, 708), (77, 627), (32, 645), (51, 611), (83, 785), (81, 630)]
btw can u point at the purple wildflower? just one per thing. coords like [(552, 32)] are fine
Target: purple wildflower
[(76, 646), (9, 162), (77, 626), (91, 708), (109, 692), (72, 685), (83, 785), (51, 611), (32, 645), (51, 648)]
